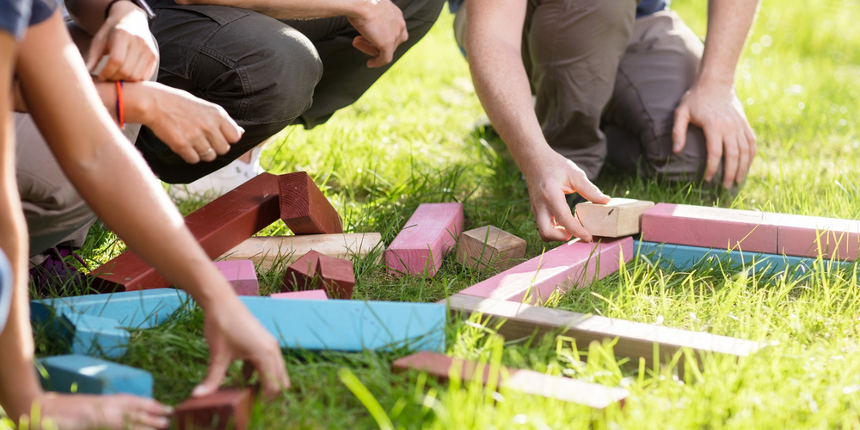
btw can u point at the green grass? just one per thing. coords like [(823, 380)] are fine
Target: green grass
[(412, 139)]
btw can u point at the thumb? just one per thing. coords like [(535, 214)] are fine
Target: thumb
[(217, 370), (588, 190), (679, 130)]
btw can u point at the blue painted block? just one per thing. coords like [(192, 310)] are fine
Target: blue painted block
[(82, 334), (87, 375), (134, 309), (351, 325)]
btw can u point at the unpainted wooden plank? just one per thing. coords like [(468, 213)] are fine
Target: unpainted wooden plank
[(425, 239), (620, 217), (490, 246), (266, 251), (304, 208)]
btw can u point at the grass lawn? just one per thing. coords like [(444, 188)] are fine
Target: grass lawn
[(412, 139)]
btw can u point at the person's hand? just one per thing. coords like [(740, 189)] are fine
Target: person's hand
[(126, 40), (717, 110), (193, 128), (234, 334), (382, 30), (548, 184)]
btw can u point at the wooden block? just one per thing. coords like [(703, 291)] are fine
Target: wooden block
[(808, 236), (634, 340), (304, 208), (351, 325), (338, 277), (574, 264), (303, 274), (265, 251), (527, 381), (709, 227), (302, 295), (135, 309), (218, 227), (226, 409), (490, 247), (425, 239), (93, 376), (619, 217), (241, 275)]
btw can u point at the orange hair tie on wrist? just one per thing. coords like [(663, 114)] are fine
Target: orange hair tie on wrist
[(120, 106)]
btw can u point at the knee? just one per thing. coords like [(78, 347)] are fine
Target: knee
[(687, 165)]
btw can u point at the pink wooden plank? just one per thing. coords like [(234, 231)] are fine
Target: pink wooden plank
[(425, 239), (709, 227), (801, 236), (240, 274), (302, 295), (572, 264)]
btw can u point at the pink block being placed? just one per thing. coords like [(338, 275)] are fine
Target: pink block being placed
[(302, 295), (709, 227), (809, 236), (428, 235), (574, 264), (240, 274)]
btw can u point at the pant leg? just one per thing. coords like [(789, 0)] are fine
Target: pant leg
[(659, 66), (571, 51), (346, 76), (260, 70)]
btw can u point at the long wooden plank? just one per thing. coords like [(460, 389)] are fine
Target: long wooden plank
[(634, 340), (442, 367), (87, 375), (425, 239), (573, 264), (266, 251), (304, 208), (809, 236)]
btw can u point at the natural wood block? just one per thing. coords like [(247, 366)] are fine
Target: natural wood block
[(808, 236), (709, 227), (265, 251), (88, 375), (442, 367), (304, 208), (425, 239), (338, 277), (218, 226), (619, 217), (574, 264), (241, 275), (490, 247), (633, 340), (303, 273), (226, 409), (302, 295)]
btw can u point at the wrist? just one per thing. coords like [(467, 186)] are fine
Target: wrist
[(360, 9), (140, 101), (715, 81)]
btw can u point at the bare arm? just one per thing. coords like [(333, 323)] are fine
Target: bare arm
[(493, 44), (711, 103)]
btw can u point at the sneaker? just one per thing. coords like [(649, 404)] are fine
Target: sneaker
[(221, 181), (55, 273)]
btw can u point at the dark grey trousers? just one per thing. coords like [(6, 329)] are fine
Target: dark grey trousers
[(267, 74)]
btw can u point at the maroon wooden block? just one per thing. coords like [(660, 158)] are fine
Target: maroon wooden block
[(302, 274), (226, 409), (219, 226), (304, 208), (338, 277)]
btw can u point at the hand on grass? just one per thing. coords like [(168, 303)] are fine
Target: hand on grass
[(126, 40), (548, 184), (717, 110), (382, 30)]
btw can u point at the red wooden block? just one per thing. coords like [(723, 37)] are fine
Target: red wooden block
[(219, 226), (428, 235), (304, 208), (709, 227), (572, 264), (302, 295), (805, 236), (300, 275), (226, 409), (338, 276), (242, 276)]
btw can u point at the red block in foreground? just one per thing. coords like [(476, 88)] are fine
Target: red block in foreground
[(304, 208), (226, 409)]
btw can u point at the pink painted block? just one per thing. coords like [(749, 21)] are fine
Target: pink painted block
[(302, 295), (574, 264), (240, 274), (428, 235), (709, 227), (801, 236)]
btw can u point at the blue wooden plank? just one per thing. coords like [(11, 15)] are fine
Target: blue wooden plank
[(81, 374), (134, 309), (80, 334), (351, 325)]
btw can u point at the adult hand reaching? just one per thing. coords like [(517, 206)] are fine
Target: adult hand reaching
[(382, 30), (718, 111), (125, 39)]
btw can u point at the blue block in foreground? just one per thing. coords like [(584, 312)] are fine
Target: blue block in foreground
[(134, 309), (351, 325), (82, 334), (80, 374)]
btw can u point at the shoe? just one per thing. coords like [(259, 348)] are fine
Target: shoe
[(221, 181), (55, 273)]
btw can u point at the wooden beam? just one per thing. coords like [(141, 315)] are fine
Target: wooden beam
[(266, 251), (304, 208), (634, 340), (87, 375), (619, 217), (575, 391), (574, 264), (490, 247), (809, 236), (425, 239)]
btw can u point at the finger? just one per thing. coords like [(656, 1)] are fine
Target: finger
[(97, 47), (231, 131), (364, 45), (731, 160), (564, 218), (385, 56), (115, 63), (140, 70), (744, 159), (142, 420), (217, 369), (189, 154), (751, 138), (546, 226), (586, 189), (273, 376), (714, 144), (679, 130), (217, 142)]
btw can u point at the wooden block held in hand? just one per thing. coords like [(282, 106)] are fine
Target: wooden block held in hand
[(302, 274), (241, 275), (490, 246), (425, 239), (93, 376), (265, 251), (302, 295), (226, 409), (304, 208), (709, 227), (338, 277), (619, 217)]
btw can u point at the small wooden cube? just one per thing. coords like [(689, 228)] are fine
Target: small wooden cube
[(618, 218), (490, 247), (226, 409), (338, 277), (300, 275)]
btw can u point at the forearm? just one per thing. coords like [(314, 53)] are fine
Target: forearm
[(88, 14), (297, 9), (729, 23)]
